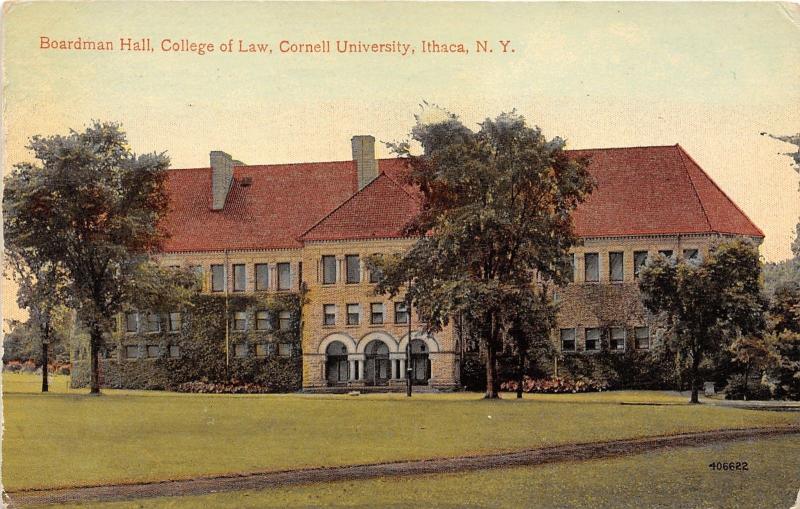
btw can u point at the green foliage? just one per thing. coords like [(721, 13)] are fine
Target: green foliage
[(781, 274), (787, 374), (24, 342)]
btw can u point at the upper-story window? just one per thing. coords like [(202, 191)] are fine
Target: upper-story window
[(353, 264), (591, 267), (217, 278), (616, 342), (174, 351), (592, 343), (400, 312), (240, 321), (353, 314), (153, 322), (240, 350), (329, 314), (284, 276), (616, 266), (642, 338), (328, 270), (174, 322), (666, 252), (639, 262), (376, 313), (284, 320), (692, 256), (262, 320), (262, 276), (132, 322), (571, 268), (567, 340), (375, 274), (239, 277)]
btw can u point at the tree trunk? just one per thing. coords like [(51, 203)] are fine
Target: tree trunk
[(695, 378), (44, 365), (520, 374), (491, 375), (94, 355)]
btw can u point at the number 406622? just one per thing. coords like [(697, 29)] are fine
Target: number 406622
[(728, 465)]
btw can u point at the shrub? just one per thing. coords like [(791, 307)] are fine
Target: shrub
[(555, 385), (13, 367), (755, 389), (232, 387), (29, 366)]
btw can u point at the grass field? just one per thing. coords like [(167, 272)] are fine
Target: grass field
[(67, 438), (673, 479)]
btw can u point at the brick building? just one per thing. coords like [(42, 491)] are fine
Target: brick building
[(272, 229)]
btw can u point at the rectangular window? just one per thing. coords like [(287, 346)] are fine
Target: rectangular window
[(353, 314), (240, 321), (328, 270), (591, 269), (240, 350), (284, 276), (285, 349), (132, 322), (616, 266), (174, 322), (642, 338), (692, 256), (153, 322), (617, 340), (376, 313), (639, 261), (217, 278), (239, 277), (262, 277), (400, 312), (567, 340), (329, 314), (153, 351), (285, 320), (262, 320), (571, 268), (375, 275), (261, 350), (353, 268), (174, 351), (132, 352), (666, 252), (592, 340)]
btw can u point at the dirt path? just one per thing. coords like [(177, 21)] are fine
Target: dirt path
[(266, 480)]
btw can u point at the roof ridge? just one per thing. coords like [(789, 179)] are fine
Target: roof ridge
[(617, 148), (730, 200), (694, 188)]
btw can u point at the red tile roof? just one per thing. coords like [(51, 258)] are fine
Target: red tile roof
[(640, 191)]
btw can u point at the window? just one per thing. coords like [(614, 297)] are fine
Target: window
[(591, 267), (617, 340), (400, 312), (639, 261), (197, 270), (132, 322), (285, 349), (567, 340), (571, 268), (284, 320), (262, 277), (153, 351), (329, 314), (353, 313), (239, 277), (375, 274), (262, 320), (592, 340), (692, 256), (153, 322), (174, 351), (642, 338), (131, 352), (666, 252), (328, 270), (353, 268), (240, 350), (174, 322), (240, 321), (217, 278), (376, 313), (261, 350), (284, 276), (616, 266)]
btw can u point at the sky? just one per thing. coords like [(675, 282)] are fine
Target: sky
[(709, 76)]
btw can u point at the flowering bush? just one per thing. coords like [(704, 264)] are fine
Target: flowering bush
[(555, 385), (232, 387), (13, 367)]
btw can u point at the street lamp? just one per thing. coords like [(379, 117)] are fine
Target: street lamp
[(408, 345)]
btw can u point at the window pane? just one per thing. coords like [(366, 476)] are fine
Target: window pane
[(131, 352), (239, 278), (666, 252), (642, 338), (217, 278), (592, 267), (568, 340), (262, 320), (153, 351), (571, 268), (691, 255), (639, 261), (400, 312), (262, 276), (617, 340), (174, 322), (284, 276), (353, 313), (240, 321), (592, 339), (616, 264), (328, 270), (329, 314), (174, 351), (153, 322), (353, 268), (261, 350), (285, 349), (375, 275), (240, 350), (285, 320), (131, 322), (376, 313)]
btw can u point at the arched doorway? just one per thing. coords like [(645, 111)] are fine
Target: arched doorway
[(420, 363), (336, 366), (376, 365)]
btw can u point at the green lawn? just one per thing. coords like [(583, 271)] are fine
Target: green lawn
[(675, 479), (67, 438)]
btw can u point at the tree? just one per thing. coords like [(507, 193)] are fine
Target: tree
[(754, 352), (532, 318), (706, 304), (496, 211), (91, 208)]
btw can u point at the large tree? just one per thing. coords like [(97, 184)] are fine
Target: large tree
[(497, 206), (92, 208), (707, 305)]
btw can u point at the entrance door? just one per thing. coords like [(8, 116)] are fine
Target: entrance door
[(376, 366), (336, 365), (420, 364)]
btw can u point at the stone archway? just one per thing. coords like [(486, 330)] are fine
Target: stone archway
[(377, 370), (337, 367)]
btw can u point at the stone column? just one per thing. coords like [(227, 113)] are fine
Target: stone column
[(360, 370), (402, 368), (352, 373), (394, 368)]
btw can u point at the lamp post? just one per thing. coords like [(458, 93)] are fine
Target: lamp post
[(408, 346)]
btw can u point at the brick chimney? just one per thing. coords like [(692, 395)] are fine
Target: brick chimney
[(364, 156), (221, 178)]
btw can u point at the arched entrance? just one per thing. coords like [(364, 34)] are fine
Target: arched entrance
[(336, 366), (420, 363), (376, 364)]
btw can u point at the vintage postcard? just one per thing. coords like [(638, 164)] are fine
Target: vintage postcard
[(401, 254)]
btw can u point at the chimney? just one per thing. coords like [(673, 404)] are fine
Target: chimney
[(221, 178), (364, 156)]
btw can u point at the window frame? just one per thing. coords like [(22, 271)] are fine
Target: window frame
[(135, 316), (223, 284), (149, 321), (562, 340), (171, 328), (127, 352), (262, 315), (282, 346), (598, 340), (284, 318), (239, 270), (637, 338), (637, 265), (347, 259), (326, 315), (148, 350), (326, 280), (596, 257), (288, 266), (237, 319), (611, 338), (257, 270), (373, 313), (611, 256), (178, 350), (404, 311), (241, 347), (357, 314)]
